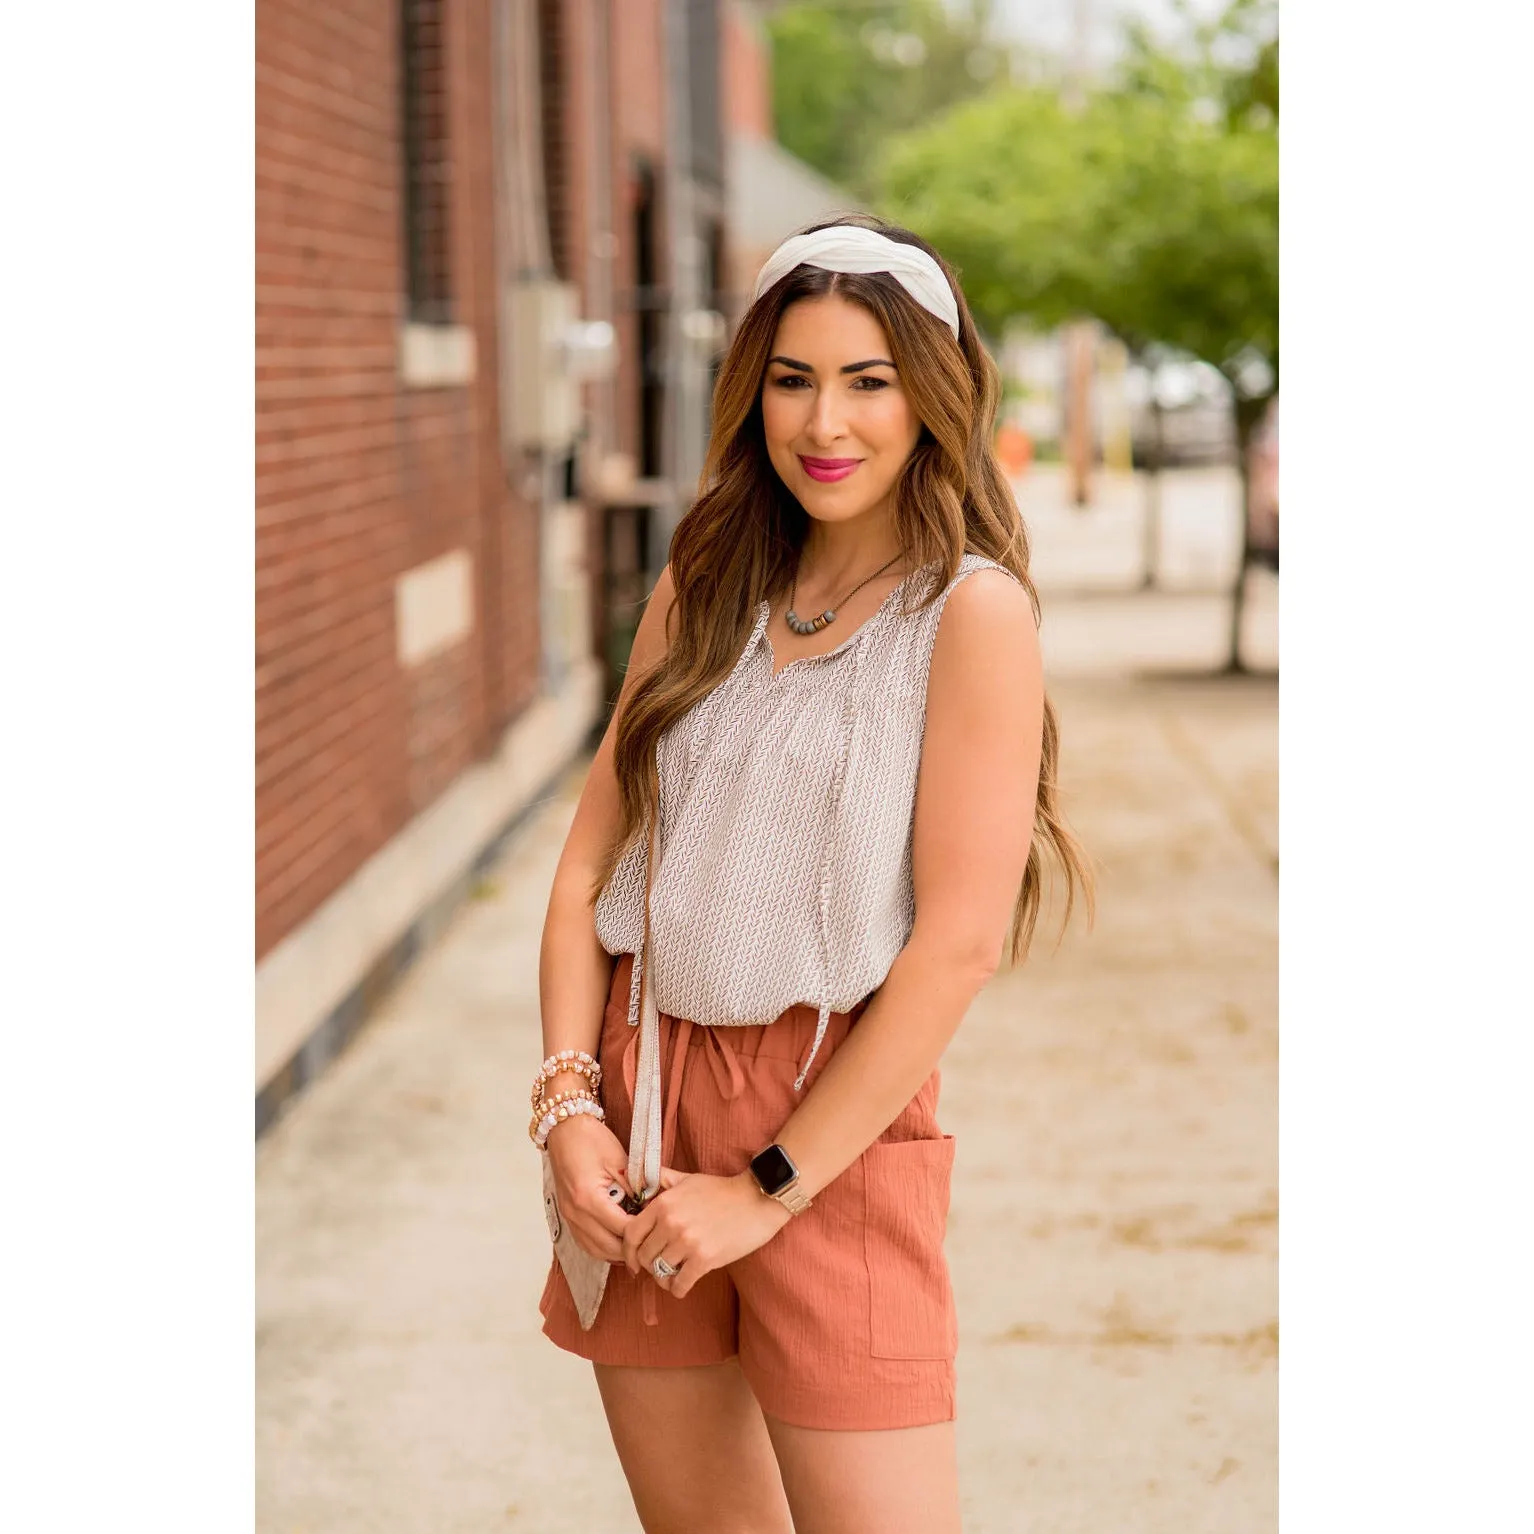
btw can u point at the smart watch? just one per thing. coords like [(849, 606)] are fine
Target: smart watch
[(778, 1177)]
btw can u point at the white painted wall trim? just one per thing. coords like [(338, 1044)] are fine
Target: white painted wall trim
[(436, 356), (311, 971)]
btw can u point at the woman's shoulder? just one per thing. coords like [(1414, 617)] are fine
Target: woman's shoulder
[(652, 637), (981, 607), (971, 562), (985, 658), (976, 572), (984, 604)]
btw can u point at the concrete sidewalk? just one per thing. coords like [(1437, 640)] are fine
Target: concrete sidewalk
[(1103, 546), (1113, 1235), (1089, 564)]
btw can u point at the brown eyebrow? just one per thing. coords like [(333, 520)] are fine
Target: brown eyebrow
[(852, 367)]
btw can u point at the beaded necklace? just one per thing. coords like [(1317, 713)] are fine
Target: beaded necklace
[(814, 625)]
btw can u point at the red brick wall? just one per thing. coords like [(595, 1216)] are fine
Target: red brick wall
[(358, 478)]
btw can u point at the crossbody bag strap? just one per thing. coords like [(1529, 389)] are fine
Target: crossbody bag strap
[(645, 1133)]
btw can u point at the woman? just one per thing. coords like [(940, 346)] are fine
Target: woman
[(850, 804)]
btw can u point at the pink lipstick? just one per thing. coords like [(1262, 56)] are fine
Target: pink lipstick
[(828, 470)]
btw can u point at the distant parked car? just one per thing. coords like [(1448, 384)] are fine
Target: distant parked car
[(1196, 416), (1262, 533)]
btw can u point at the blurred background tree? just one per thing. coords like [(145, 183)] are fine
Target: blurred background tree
[(1148, 201), (847, 78), (1152, 205)]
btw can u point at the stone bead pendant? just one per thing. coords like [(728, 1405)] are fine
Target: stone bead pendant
[(814, 626)]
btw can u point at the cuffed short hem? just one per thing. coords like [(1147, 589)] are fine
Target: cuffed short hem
[(645, 1347), (626, 1352), (836, 1411)]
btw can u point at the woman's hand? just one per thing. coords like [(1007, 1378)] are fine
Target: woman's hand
[(588, 1158), (698, 1223)]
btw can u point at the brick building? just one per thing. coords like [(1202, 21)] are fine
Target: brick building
[(456, 510), (497, 243)]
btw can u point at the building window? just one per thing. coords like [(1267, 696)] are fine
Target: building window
[(556, 142), (704, 50), (652, 303), (428, 167)]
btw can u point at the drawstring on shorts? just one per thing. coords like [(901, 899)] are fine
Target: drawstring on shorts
[(728, 1077)]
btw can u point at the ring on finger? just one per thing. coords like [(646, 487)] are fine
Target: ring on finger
[(663, 1269)]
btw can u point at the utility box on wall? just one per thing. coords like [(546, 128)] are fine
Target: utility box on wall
[(545, 397), (552, 353)]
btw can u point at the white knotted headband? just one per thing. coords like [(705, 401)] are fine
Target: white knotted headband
[(852, 248)]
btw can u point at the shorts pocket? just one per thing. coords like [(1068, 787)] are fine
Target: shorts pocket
[(911, 1311)]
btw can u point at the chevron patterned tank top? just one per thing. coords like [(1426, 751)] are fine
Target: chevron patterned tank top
[(783, 867)]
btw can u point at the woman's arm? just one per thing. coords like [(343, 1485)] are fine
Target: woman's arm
[(575, 971), (973, 822), (972, 827)]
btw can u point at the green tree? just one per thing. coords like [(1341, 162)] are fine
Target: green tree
[(1205, 272), (1153, 206), (1002, 186), (845, 78)]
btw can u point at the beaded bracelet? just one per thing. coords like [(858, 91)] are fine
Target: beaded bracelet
[(540, 1128), (546, 1105), (592, 1073), (560, 1061), (575, 1061)]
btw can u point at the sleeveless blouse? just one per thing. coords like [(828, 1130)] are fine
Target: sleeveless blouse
[(783, 857)]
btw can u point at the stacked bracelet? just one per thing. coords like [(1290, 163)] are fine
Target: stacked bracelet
[(548, 1111), (574, 1061), (555, 1109), (544, 1104)]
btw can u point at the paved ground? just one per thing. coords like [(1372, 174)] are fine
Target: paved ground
[(1114, 1229), (1090, 566), (1114, 1239)]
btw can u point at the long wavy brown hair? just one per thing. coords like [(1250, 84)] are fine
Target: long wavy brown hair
[(739, 543)]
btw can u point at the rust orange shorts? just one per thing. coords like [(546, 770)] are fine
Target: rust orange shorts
[(845, 1318)]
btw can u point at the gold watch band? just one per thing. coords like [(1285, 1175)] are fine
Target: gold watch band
[(792, 1199)]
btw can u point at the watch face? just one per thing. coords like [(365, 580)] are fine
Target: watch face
[(773, 1170)]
